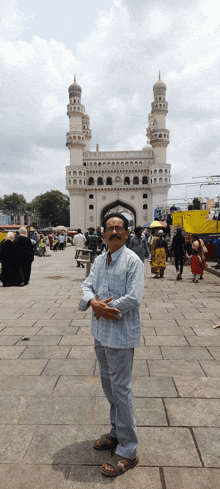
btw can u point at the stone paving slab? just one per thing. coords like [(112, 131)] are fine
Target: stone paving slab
[(72, 366), (14, 441), (27, 385), (193, 412), (17, 476), (207, 340), (212, 368), (208, 440), (19, 331), (43, 351), (169, 368), (191, 478), (201, 387), (167, 446), (11, 352), (91, 478), (185, 353), (77, 341), (173, 331), (9, 340), (165, 340), (12, 407)]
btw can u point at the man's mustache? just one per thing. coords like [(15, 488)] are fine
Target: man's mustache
[(115, 236)]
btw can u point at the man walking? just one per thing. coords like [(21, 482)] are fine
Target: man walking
[(79, 241), (179, 251), (114, 290), (138, 244)]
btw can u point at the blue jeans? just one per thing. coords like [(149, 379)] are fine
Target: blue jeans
[(115, 369)]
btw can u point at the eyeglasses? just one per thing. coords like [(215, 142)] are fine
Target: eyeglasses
[(118, 229)]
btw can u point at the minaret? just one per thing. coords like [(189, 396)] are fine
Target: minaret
[(157, 132), (75, 137), (78, 141), (158, 135)]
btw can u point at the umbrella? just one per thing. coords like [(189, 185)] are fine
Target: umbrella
[(163, 224), (59, 228), (155, 224), (147, 225)]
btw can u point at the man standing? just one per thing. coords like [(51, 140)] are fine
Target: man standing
[(79, 242), (114, 290), (138, 244), (24, 255)]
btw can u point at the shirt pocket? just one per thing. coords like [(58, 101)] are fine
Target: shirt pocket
[(117, 284)]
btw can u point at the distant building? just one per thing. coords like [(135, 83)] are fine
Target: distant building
[(101, 181)]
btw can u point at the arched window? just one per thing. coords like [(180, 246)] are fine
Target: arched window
[(90, 196), (127, 181), (91, 181), (144, 180), (155, 180), (91, 206), (109, 181), (160, 180), (84, 164), (144, 196), (100, 181), (145, 206), (160, 135), (135, 180), (165, 171), (74, 182), (165, 179), (80, 182), (160, 171), (155, 171)]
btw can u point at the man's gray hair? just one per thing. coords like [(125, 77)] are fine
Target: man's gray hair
[(23, 231)]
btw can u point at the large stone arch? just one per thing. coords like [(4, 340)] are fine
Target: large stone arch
[(117, 203)]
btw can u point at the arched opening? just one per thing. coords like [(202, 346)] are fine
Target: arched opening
[(135, 180), (90, 196), (100, 181), (91, 206), (109, 181), (144, 180), (127, 181), (112, 207), (91, 181)]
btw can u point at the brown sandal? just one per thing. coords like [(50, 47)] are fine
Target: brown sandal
[(103, 445), (119, 464)]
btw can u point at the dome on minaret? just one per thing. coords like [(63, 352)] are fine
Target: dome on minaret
[(86, 116), (75, 90), (159, 84)]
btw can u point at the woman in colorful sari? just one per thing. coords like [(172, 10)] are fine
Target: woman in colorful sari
[(198, 258), (159, 255)]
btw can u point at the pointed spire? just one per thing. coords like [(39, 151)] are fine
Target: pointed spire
[(74, 78), (159, 75)]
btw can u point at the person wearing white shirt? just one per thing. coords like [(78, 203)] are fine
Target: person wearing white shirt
[(79, 241)]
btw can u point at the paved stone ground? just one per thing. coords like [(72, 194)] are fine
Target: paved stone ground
[(51, 403)]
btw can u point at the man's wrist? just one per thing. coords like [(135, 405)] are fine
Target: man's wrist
[(92, 302)]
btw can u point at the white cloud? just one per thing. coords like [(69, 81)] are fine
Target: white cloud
[(116, 64)]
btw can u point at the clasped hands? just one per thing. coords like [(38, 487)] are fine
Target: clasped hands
[(102, 309)]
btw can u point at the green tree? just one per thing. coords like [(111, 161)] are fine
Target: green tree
[(52, 207), (13, 202)]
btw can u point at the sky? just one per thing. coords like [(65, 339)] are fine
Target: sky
[(116, 48)]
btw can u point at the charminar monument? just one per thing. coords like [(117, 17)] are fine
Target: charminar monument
[(101, 181)]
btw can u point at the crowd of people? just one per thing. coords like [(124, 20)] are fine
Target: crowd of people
[(17, 251)]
